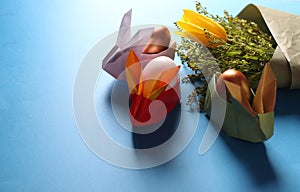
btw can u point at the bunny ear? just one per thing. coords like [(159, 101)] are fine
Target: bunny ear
[(133, 73), (167, 76), (239, 95), (124, 30), (265, 97), (152, 88)]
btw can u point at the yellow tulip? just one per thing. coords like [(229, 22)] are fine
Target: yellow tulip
[(195, 25)]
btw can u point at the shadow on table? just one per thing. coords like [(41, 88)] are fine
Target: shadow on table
[(287, 102), (253, 158), (161, 135)]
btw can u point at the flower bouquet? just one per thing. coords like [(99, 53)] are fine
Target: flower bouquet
[(254, 44)]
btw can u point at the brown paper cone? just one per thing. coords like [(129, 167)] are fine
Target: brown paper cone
[(285, 29)]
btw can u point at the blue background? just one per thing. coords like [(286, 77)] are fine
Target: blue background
[(42, 44)]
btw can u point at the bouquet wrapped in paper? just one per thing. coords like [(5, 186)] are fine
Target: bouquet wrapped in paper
[(247, 43)]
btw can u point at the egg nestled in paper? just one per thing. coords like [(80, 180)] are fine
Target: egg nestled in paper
[(156, 66)]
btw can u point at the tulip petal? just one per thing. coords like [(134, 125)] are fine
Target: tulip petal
[(197, 19), (190, 27), (193, 36), (197, 33)]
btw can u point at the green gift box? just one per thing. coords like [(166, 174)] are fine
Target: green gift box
[(235, 120)]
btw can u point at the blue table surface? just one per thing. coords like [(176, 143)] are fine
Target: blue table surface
[(42, 44)]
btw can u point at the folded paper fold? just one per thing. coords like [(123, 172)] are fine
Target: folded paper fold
[(265, 96), (154, 91), (238, 122), (114, 61), (248, 122)]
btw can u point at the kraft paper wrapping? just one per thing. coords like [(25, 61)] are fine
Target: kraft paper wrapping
[(285, 29)]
